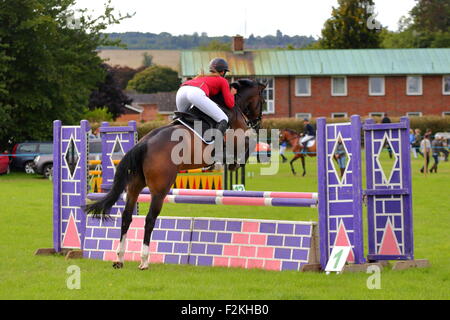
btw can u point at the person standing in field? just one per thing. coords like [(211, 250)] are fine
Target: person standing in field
[(418, 139), (341, 157), (436, 146), (425, 148), (386, 119), (444, 147), (412, 139)]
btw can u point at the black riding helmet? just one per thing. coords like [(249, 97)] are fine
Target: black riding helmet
[(218, 65)]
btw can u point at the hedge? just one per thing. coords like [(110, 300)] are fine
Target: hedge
[(435, 123)]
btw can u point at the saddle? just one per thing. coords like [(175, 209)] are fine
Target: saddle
[(196, 121)]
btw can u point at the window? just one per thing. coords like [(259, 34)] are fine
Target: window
[(339, 86), (269, 95), (303, 87), (27, 148), (446, 114), (446, 85), (46, 148), (303, 116), (414, 114), (339, 115), (376, 114), (414, 85), (376, 86)]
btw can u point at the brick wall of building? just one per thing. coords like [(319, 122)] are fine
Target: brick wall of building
[(395, 101)]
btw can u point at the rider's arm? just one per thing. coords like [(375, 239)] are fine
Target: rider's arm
[(227, 96)]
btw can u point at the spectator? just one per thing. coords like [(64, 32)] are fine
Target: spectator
[(425, 147), (444, 148), (418, 139), (387, 145), (436, 145), (341, 157), (386, 119), (412, 139), (95, 134)]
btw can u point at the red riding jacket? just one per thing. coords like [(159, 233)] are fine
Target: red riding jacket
[(213, 85)]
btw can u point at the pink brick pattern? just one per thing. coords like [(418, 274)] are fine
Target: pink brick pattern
[(270, 245)]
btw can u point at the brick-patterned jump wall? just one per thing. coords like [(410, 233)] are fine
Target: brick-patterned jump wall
[(270, 245)]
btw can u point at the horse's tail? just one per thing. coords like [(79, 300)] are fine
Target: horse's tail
[(129, 166)]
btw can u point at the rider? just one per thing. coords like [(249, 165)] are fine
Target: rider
[(196, 92), (309, 134)]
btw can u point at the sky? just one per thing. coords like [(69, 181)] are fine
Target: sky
[(231, 17)]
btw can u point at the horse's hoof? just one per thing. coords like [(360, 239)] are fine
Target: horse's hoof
[(304, 174), (142, 268), (118, 265)]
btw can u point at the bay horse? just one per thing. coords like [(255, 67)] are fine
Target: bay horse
[(149, 163), (293, 138)]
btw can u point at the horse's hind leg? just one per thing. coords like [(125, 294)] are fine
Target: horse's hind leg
[(133, 190)]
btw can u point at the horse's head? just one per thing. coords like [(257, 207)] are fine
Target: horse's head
[(250, 100)]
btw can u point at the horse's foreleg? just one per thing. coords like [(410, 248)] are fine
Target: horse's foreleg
[(127, 217), (292, 165)]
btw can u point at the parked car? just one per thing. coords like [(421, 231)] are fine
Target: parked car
[(24, 153), (262, 150), (4, 163), (43, 164), (446, 136)]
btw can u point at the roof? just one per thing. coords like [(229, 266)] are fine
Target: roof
[(166, 101), (322, 62)]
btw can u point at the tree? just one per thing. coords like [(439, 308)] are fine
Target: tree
[(215, 45), (427, 26), (155, 79), (148, 60), (431, 15), (349, 26), (122, 75), (48, 67), (109, 94)]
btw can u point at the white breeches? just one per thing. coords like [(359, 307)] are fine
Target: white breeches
[(187, 96), (307, 138)]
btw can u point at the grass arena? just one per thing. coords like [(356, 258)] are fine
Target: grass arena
[(27, 225)]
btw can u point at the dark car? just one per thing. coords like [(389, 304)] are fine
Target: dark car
[(4, 163), (43, 164), (24, 153)]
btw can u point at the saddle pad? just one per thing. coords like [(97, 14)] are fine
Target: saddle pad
[(199, 132)]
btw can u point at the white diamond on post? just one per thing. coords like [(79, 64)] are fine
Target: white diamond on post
[(387, 174), (72, 157)]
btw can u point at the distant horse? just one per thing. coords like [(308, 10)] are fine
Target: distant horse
[(149, 163), (293, 138)]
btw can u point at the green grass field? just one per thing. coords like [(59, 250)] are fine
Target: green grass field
[(26, 224)]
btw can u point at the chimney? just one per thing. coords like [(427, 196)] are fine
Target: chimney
[(238, 44)]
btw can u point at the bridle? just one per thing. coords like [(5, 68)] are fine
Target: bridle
[(252, 123)]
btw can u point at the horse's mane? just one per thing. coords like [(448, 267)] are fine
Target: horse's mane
[(240, 85)]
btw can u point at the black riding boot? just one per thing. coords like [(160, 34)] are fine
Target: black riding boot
[(222, 126), (305, 147)]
